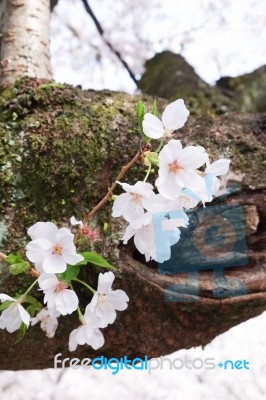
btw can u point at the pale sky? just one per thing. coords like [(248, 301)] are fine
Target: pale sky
[(217, 37)]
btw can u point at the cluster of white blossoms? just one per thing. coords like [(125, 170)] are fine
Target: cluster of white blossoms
[(99, 313), (154, 216), (185, 178), (53, 253)]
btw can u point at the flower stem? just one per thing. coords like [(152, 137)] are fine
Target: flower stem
[(22, 297), (148, 173), (85, 284), (160, 145)]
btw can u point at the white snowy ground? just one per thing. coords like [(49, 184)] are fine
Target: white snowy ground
[(246, 341)]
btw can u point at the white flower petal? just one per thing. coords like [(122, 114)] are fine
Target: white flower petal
[(72, 344), (129, 232), (152, 126), (44, 230), (54, 264), (118, 298), (192, 157), (72, 258), (32, 229), (120, 204), (175, 115), (96, 340), (48, 281), (74, 221), (5, 297), (192, 180), (105, 282), (24, 315), (37, 250), (219, 167), (92, 320), (66, 301), (92, 305), (10, 318), (169, 189)]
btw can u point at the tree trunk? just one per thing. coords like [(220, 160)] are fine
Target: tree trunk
[(62, 148), (25, 40)]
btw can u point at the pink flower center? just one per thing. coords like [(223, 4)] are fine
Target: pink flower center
[(61, 286), (174, 167), (57, 249), (136, 198)]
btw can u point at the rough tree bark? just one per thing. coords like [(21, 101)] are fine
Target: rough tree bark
[(24, 40), (61, 148)]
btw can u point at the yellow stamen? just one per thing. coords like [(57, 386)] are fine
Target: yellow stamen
[(174, 167), (136, 198), (57, 249)]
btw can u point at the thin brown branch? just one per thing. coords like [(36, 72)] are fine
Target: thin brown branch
[(122, 172), (32, 271), (3, 257)]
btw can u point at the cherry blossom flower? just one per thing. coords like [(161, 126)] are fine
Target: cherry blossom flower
[(106, 301), (144, 241), (57, 295), (51, 248), (212, 183), (48, 319), (174, 117), (131, 204), (88, 332), (13, 316), (217, 168), (178, 169), (160, 203), (144, 231)]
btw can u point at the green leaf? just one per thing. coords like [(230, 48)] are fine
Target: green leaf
[(30, 299), (19, 268), (96, 259), (14, 258), (152, 158), (70, 273), (5, 305), (140, 110), (17, 264), (33, 309), (21, 332), (140, 113), (34, 305), (154, 110)]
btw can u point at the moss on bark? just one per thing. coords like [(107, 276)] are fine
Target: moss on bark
[(248, 90), (170, 76)]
